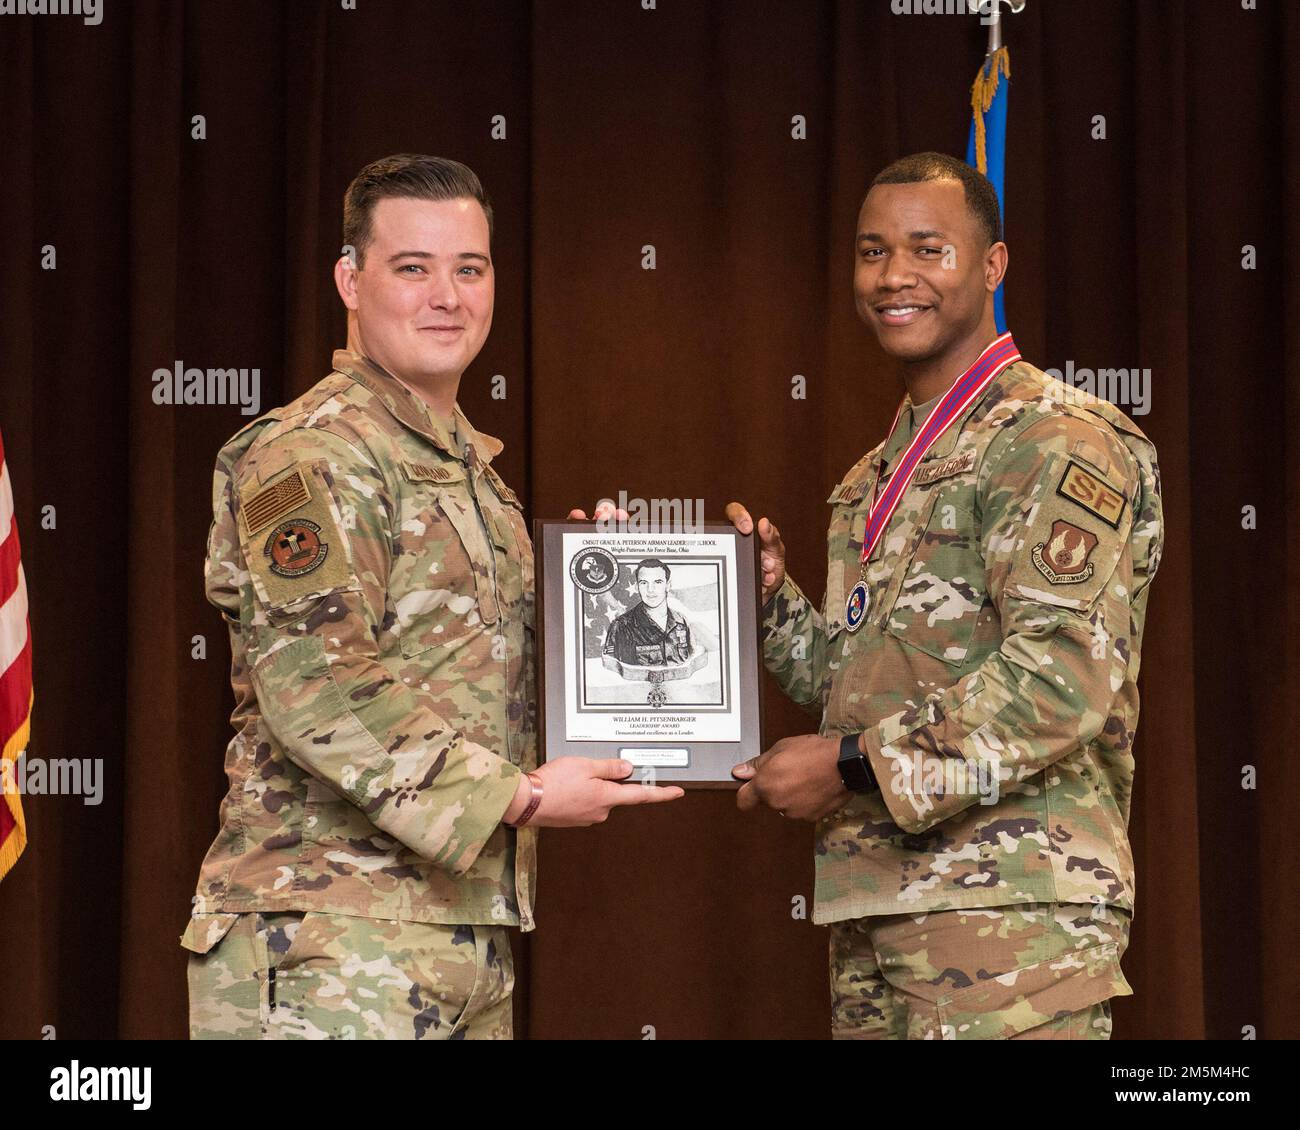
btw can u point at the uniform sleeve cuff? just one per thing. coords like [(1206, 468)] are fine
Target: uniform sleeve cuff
[(787, 594), (485, 807), (893, 784)]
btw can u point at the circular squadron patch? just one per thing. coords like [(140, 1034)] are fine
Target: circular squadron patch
[(594, 570), (295, 548)]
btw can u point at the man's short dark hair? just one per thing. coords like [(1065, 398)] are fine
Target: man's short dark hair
[(981, 196), (651, 563), (409, 175)]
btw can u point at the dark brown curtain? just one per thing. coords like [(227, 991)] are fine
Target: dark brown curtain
[(626, 127)]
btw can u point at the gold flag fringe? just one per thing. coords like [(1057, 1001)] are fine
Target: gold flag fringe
[(981, 98), (13, 846)]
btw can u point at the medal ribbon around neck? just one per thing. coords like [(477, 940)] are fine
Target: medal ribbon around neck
[(965, 390)]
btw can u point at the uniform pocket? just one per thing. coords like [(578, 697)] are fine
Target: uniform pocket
[(298, 554), (845, 548), (442, 583), (943, 590), (517, 550)]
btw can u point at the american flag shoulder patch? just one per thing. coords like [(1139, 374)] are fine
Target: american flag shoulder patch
[(264, 506)]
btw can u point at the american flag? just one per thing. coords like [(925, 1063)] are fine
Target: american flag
[(15, 676)]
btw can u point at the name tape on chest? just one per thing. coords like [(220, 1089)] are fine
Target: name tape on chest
[(433, 473), (847, 493), (944, 469), (1085, 489)]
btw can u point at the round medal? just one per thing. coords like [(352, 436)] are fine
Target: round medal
[(855, 608)]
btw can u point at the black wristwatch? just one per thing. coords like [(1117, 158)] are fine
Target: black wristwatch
[(855, 769)]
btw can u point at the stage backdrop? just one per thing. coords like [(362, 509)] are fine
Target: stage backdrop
[(617, 128)]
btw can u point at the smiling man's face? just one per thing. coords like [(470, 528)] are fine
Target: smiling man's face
[(423, 298), (918, 297)]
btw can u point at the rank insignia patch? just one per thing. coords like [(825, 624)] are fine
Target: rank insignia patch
[(295, 548), (1085, 489), (1063, 558)]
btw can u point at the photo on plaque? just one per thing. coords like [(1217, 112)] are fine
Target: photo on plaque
[(649, 646)]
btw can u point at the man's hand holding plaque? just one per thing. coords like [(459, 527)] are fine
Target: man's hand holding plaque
[(772, 554), (799, 776)]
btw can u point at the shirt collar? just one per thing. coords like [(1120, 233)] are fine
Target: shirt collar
[(410, 410), (921, 411)]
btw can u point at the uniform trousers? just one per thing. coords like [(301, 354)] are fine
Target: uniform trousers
[(1035, 971), (298, 975)]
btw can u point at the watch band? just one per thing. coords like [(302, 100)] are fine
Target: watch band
[(855, 769)]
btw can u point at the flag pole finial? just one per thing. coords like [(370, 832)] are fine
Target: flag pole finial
[(990, 14)]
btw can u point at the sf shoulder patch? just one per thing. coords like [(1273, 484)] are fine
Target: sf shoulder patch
[(1063, 558), (1085, 489)]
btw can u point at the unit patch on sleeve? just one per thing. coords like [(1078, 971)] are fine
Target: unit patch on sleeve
[(1063, 558), (305, 551), (295, 548), (1085, 489)]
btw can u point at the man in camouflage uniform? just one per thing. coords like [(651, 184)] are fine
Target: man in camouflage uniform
[(376, 577), (977, 874)]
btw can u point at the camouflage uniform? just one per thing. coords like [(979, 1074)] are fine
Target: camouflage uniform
[(1000, 650), (635, 638), (376, 577)]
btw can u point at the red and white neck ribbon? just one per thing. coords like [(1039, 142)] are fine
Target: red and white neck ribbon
[(965, 390)]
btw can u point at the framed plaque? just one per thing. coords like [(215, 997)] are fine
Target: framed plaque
[(649, 647)]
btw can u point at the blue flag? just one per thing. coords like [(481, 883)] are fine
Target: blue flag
[(987, 148)]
